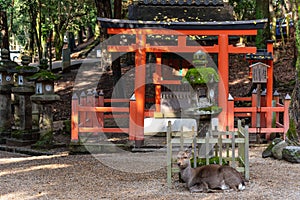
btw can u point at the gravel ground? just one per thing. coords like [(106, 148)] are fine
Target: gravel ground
[(89, 177)]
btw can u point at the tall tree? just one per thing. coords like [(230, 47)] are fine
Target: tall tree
[(116, 65), (103, 10), (4, 34), (295, 106), (272, 21), (261, 12), (4, 30)]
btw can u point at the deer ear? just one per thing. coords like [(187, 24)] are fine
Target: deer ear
[(188, 150)]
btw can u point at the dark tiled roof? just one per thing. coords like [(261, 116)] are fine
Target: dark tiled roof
[(217, 25)]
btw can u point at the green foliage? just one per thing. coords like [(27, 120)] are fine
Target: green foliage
[(213, 109), (17, 134), (44, 75), (59, 16), (243, 9), (203, 75), (45, 141), (27, 68)]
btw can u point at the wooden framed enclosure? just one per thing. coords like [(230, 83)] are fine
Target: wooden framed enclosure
[(228, 146)]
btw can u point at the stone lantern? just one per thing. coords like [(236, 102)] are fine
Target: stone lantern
[(44, 95), (203, 80), (6, 79), (6, 83), (22, 91)]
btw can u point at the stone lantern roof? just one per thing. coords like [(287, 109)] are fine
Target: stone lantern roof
[(5, 62), (25, 69)]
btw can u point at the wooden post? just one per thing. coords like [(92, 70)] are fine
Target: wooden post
[(195, 147), (101, 104), (230, 113), (253, 104), (95, 104), (82, 115), (223, 70), (276, 102), (245, 133), (220, 148), (269, 94), (140, 81), (90, 103), (233, 149), (181, 139), (207, 148), (74, 119), (286, 118), (258, 103), (169, 155), (263, 115), (270, 76), (132, 118)]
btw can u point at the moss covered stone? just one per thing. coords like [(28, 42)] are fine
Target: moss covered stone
[(44, 75), (199, 76), (291, 154)]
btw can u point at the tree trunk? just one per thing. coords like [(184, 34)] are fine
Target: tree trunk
[(295, 104), (4, 37), (117, 9), (90, 33), (103, 10), (273, 21), (80, 35), (58, 42), (116, 64), (261, 12)]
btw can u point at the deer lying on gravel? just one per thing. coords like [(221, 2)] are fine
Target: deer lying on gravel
[(208, 177)]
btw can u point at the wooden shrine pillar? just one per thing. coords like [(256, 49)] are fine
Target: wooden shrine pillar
[(223, 70), (269, 95), (140, 81)]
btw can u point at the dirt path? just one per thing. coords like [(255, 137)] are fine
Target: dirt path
[(87, 177)]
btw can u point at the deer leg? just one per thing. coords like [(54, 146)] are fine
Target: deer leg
[(224, 186), (200, 187), (196, 188)]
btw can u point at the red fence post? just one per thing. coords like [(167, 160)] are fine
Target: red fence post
[(276, 99), (132, 118), (74, 119), (230, 113), (100, 115), (286, 118), (263, 103), (82, 115), (96, 104), (254, 104), (90, 103)]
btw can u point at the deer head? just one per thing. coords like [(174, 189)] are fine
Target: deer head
[(183, 158)]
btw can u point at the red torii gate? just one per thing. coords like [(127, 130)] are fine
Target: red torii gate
[(183, 29)]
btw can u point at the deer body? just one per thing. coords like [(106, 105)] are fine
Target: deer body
[(205, 178)]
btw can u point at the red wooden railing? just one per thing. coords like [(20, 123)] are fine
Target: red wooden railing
[(266, 115), (89, 111)]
